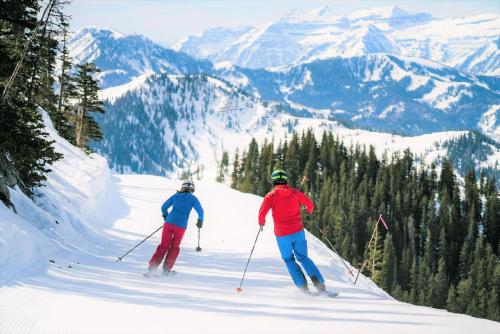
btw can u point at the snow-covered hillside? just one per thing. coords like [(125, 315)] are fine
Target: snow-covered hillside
[(382, 92), (62, 277), (470, 43), (163, 123)]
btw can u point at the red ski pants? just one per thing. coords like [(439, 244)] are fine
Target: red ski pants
[(170, 241)]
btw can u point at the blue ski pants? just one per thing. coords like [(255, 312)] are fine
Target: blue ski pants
[(294, 246)]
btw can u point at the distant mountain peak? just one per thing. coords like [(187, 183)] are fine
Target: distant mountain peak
[(122, 58), (382, 12), (103, 31), (321, 14), (393, 16)]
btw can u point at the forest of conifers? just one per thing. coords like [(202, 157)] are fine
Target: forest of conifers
[(441, 248)]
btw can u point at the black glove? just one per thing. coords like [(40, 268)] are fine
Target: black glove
[(164, 217), (199, 223), (261, 228), (310, 216)]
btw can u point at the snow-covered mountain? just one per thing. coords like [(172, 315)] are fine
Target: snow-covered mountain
[(60, 275), (164, 117), (122, 58), (166, 123), (382, 92), (469, 43), (212, 41), (376, 91)]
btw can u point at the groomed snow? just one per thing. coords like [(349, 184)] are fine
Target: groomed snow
[(101, 216)]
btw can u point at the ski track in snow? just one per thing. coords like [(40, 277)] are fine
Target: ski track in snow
[(87, 291)]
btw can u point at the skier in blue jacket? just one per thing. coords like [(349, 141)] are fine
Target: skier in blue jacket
[(175, 225)]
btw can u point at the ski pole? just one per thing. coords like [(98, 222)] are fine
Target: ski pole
[(198, 249), (333, 248), (149, 236), (239, 289)]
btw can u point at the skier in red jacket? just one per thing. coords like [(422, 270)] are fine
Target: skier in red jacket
[(286, 203)]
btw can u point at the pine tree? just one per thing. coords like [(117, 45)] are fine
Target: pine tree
[(223, 167), (235, 175), (250, 168), (439, 287), (492, 220), (374, 256), (63, 117), (494, 296), (22, 137), (451, 301), (389, 262), (87, 92)]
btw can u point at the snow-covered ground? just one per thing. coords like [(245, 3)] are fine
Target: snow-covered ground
[(63, 277)]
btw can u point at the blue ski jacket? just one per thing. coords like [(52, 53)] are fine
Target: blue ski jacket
[(181, 203)]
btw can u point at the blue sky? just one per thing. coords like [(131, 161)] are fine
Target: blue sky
[(166, 21)]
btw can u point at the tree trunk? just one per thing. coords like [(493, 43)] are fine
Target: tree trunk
[(35, 67), (61, 80)]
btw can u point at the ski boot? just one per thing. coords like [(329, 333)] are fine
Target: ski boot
[(150, 273), (304, 289), (321, 287), (169, 272)]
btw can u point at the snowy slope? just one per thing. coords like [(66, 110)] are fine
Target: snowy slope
[(85, 290), (60, 221), (470, 43)]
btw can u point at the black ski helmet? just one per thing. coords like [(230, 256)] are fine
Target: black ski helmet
[(279, 177), (187, 186)]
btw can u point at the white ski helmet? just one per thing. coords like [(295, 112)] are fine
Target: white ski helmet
[(187, 186)]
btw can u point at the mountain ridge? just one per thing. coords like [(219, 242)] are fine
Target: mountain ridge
[(417, 34)]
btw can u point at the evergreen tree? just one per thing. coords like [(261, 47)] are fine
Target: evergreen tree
[(22, 138), (250, 168), (494, 296), (388, 272), (88, 102), (375, 260), (451, 301), (63, 116), (440, 250), (492, 220), (223, 167), (236, 174), (439, 287)]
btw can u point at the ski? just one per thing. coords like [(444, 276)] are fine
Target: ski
[(329, 294), (159, 275)]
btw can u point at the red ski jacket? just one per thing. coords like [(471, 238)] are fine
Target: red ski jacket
[(286, 203)]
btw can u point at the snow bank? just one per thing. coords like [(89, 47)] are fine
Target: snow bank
[(62, 215)]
